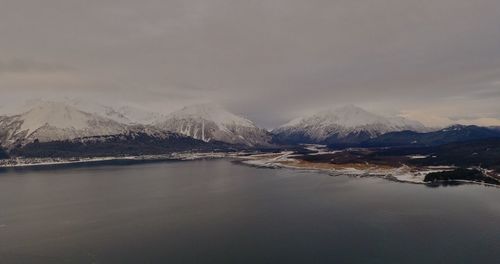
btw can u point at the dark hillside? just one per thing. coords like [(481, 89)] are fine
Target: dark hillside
[(119, 145)]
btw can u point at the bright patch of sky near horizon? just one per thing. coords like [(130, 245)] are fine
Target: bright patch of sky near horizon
[(436, 61)]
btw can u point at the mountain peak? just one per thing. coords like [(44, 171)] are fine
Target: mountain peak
[(52, 120), (343, 122), (121, 113), (56, 114), (213, 122), (211, 112), (349, 116)]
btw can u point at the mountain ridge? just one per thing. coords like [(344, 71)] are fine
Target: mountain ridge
[(49, 124), (342, 125), (210, 122), (453, 133)]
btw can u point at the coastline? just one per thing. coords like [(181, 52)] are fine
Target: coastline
[(402, 174), (284, 159), (40, 162)]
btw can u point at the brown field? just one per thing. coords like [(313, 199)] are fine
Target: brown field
[(331, 166)]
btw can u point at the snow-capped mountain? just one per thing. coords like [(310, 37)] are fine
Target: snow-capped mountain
[(211, 122), (50, 121), (344, 125), (46, 121), (119, 111)]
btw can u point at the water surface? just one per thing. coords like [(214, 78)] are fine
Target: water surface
[(220, 212)]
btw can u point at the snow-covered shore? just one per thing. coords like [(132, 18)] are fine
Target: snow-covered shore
[(30, 162)]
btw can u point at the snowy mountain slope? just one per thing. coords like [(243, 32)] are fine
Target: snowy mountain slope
[(55, 129), (139, 116), (123, 114), (347, 124), (209, 122), (51, 121), (9, 131), (148, 141)]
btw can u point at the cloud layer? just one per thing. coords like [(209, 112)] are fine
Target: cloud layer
[(437, 61)]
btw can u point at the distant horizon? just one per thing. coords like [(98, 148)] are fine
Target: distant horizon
[(18, 108)]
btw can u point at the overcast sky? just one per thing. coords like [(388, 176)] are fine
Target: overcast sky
[(437, 61)]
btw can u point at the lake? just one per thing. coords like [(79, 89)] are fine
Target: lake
[(216, 211)]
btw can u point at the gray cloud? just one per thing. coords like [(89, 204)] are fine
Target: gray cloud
[(492, 92), (270, 60), (30, 66)]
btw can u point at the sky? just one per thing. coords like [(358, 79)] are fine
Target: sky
[(436, 61)]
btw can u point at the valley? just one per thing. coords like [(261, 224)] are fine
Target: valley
[(345, 140)]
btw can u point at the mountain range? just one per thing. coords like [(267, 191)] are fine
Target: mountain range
[(346, 125), (81, 128)]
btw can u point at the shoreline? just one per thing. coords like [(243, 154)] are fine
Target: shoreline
[(285, 159), (41, 162), (402, 174)]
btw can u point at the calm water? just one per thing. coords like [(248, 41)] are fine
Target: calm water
[(220, 212)]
